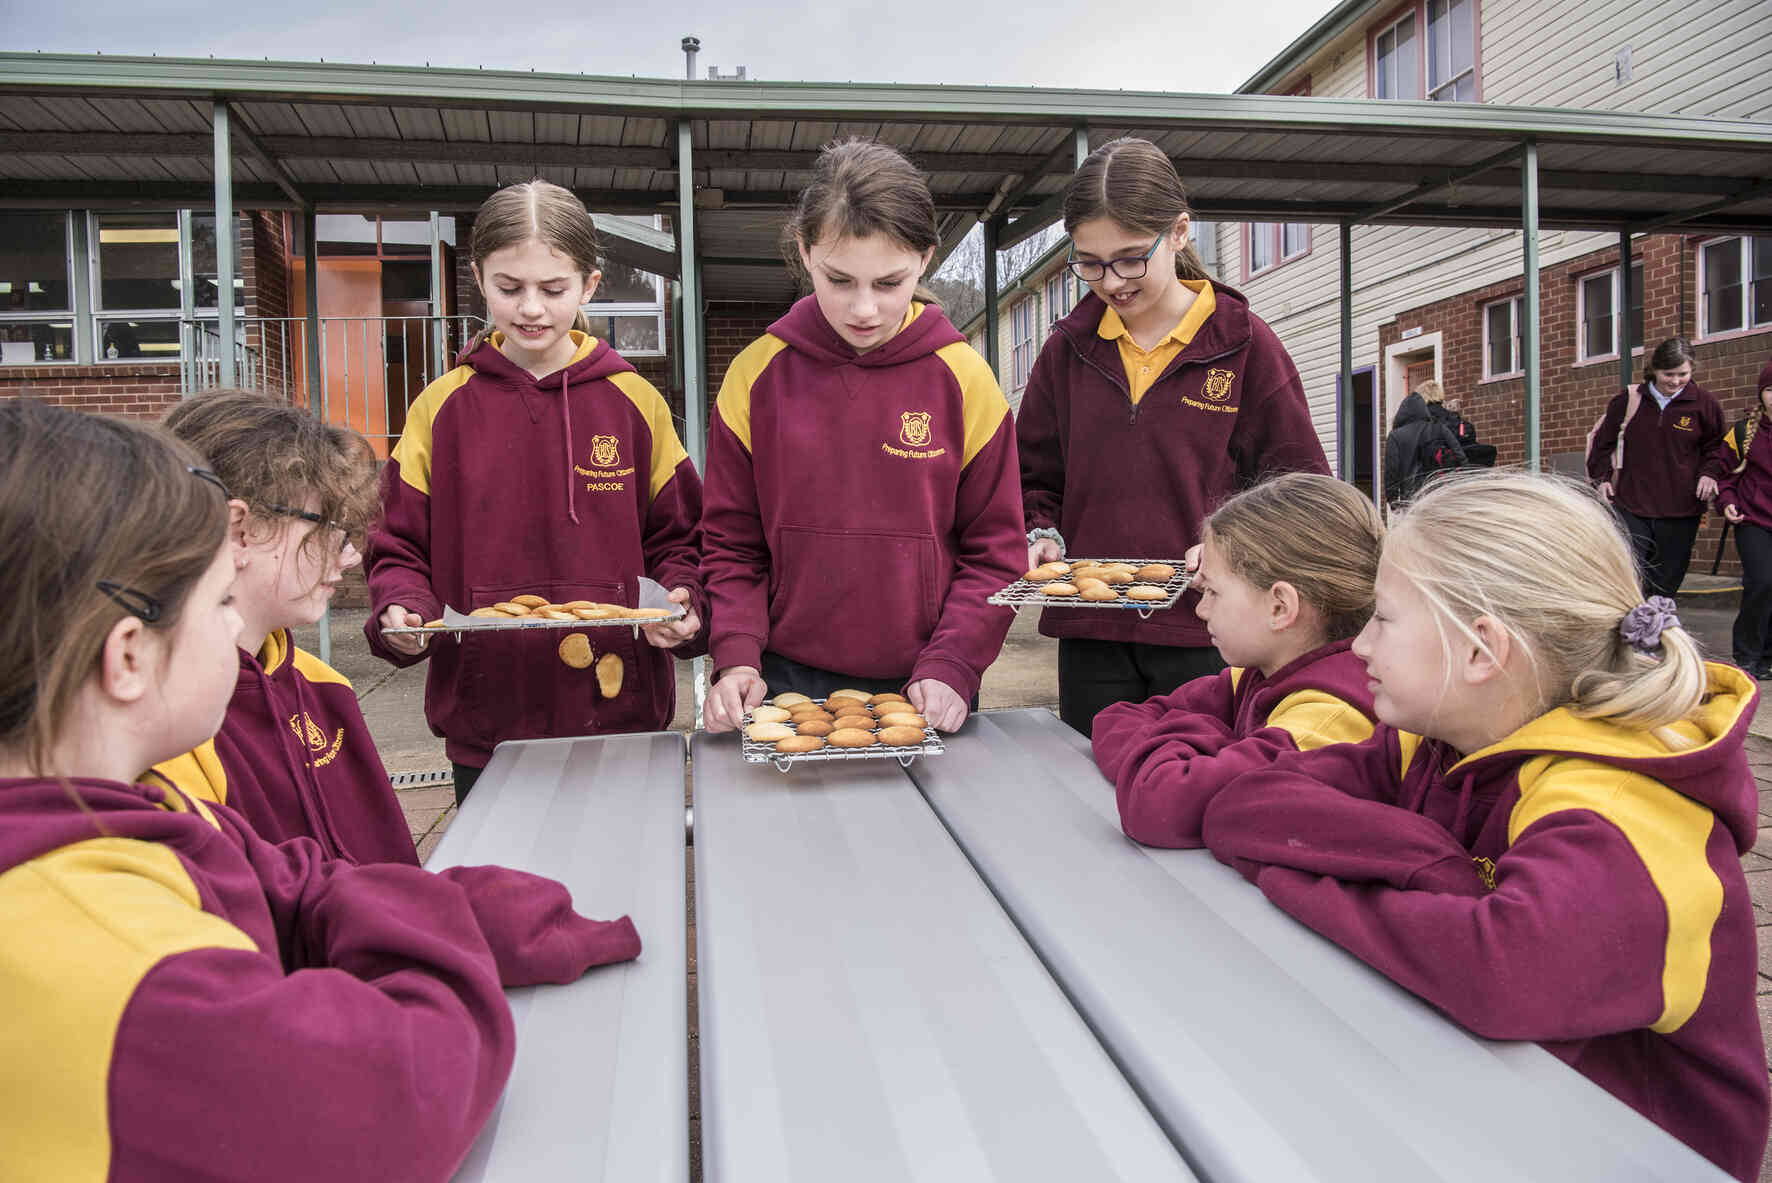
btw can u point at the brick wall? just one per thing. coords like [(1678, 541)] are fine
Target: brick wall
[(1572, 396), (136, 391)]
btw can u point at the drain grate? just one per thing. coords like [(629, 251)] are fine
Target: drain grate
[(422, 780)]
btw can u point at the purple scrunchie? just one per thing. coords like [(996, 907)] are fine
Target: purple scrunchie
[(1642, 626)]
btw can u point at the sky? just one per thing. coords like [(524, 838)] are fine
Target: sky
[(1097, 44)]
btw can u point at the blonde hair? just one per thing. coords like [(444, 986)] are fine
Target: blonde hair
[(1431, 391), (542, 211), (1544, 558), (1333, 564)]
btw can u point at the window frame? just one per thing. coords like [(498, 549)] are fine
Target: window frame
[(98, 316), (1517, 313), (1619, 320), (1744, 250), (1418, 9), (657, 308), (1060, 296), (69, 316), (1021, 350), (1276, 233)]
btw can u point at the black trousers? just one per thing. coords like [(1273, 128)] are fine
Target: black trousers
[(1093, 675), (1664, 550), (465, 776), (1750, 644), (784, 674)]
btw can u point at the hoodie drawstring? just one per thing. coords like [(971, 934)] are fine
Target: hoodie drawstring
[(571, 481)]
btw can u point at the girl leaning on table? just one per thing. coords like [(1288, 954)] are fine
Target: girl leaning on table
[(294, 756), (1543, 838), (542, 465), (862, 500), (186, 1000), (1157, 397), (1283, 606)]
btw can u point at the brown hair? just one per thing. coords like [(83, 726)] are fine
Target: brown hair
[(1131, 182), (85, 499), (1671, 354), (271, 453), (1333, 563), (545, 212), (858, 188)]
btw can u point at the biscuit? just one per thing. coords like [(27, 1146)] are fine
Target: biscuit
[(554, 614), (1146, 591), (1059, 589), (575, 650), (770, 715), (489, 610), (861, 722), (609, 674), (437, 623), (601, 612), (1041, 574), (903, 719), (1155, 573), (902, 737), (1097, 592), (877, 699), (790, 700), (851, 737), (575, 605), (860, 696), (801, 714), (1058, 565), (815, 727), (512, 608), (529, 601), (767, 732), (799, 743), (646, 613)]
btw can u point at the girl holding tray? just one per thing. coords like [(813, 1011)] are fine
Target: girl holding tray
[(544, 465), (1544, 837), (1282, 605), (186, 1000), (1157, 397), (862, 500)]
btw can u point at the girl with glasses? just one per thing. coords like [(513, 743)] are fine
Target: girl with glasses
[(1158, 397), (294, 755)]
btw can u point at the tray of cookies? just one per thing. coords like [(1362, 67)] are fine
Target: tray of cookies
[(1139, 585), (533, 611), (848, 725)]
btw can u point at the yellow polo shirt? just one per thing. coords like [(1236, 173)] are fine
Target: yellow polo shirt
[(1145, 366)]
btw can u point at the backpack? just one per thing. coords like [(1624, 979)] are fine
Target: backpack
[(1631, 403), (1433, 455)]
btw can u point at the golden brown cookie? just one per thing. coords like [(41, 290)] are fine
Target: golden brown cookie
[(767, 732), (1146, 591), (598, 612), (1097, 592), (529, 601), (904, 719), (489, 610), (815, 727), (860, 696), (1155, 573), (1042, 573), (1059, 589), (646, 613), (801, 714), (790, 700), (512, 608), (554, 614), (575, 650), (437, 623), (575, 605), (770, 715), (799, 743), (861, 722), (609, 674), (877, 699), (851, 737), (901, 737)]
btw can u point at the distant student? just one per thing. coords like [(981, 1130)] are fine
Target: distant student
[(1544, 837), (183, 999), (1745, 495), (1655, 456), (1160, 395), (1282, 605), (542, 465), (294, 755), (1421, 444), (862, 501)]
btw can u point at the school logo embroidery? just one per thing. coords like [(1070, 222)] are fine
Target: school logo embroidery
[(309, 734), (1485, 869), (605, 451), (914, 428), (1218, 384), (605, 456), (1683, 423)]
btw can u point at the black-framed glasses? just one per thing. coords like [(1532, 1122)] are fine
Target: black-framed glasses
[(203, 474), (308, 515), (1132, 267)]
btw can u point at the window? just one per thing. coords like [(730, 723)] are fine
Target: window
[(1397, 61), (1427, 50), (1273, 243), (1021, 342), (1596, 302), (1451, 50), (144, 261), (1501, 339), (628, 309), (36, 281), (1735, 285), (1061, 297)]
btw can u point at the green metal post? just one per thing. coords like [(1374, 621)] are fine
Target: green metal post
[(224, 243), (439, 346), (1529, 313), (1081, 139), (189, 339), (310, 252), (992, 229), (1625, 377), (694, 413), (1344, 431), (84, 250)]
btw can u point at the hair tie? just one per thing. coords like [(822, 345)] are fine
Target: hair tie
[(1643, 625)]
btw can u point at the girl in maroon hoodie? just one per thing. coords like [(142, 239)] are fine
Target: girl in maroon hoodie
[(185, 1000), (862, 501), (1544, 836), (1745, 495), (543, 464), (1160, 395), (1282, 605), (294, 755)]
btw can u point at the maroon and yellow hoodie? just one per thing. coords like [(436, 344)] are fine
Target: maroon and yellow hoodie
[(1169, 756), (861, 507), (294, 757), (569, 487), (1124, 479), (1749, 490), (187, 1001), (1576, 883)]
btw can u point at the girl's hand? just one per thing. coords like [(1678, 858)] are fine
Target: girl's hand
[(407, 643), (1191, 560), (1707, 487), (937, 702), (739, 689), (1606, 492), (1043, 551), (1734, 514), (668, 634)]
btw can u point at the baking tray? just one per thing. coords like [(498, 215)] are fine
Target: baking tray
[(759, 752), (652, 595), (1023, 594)]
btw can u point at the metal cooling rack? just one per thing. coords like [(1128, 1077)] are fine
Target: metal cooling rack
[(762, 752), (1024, 594)]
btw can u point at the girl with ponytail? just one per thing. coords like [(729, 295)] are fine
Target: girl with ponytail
[(1543, 837)]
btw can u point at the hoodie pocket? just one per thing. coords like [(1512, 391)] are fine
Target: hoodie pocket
[(516, 685), (859, 601)]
